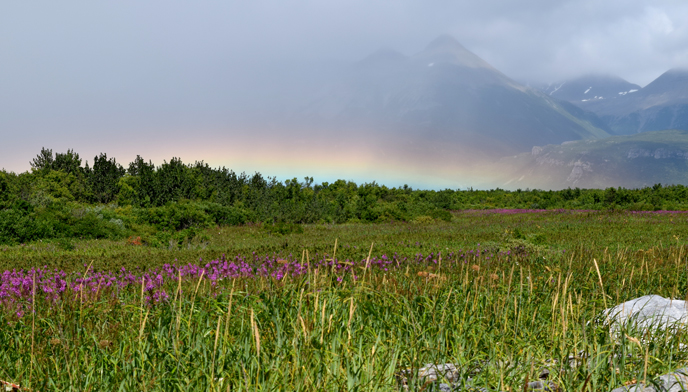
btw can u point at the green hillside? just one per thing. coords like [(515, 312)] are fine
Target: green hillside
[(633, 161)]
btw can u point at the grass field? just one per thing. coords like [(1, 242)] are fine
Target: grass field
[(501, 294)]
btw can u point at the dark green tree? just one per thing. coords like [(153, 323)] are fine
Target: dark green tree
[(44, 160), (174, 182), (103, 178), (610, 196), (68, 162), (146, 186)]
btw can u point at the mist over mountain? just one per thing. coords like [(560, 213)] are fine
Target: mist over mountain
[(626, 108), (652, 146), (662, 104), (444, 100), (590, 88)]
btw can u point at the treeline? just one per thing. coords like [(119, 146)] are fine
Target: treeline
[(60, 197)]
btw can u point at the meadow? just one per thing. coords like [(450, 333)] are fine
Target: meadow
[(501, 294)]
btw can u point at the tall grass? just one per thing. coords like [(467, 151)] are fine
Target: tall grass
[(563, 230), (358, 325)]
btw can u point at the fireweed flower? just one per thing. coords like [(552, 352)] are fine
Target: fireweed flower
[(53, 286)]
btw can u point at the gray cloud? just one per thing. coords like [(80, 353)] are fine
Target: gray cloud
[(637, 40), (80, 70)]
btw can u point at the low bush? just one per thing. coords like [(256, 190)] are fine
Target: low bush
[(24, 223), (282, 228)]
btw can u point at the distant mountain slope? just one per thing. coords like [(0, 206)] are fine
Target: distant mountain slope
[(590, 88), (629, 161), (444, 96), (662, 104)]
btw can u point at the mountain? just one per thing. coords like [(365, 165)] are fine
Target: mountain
[(629, 161), (590, 88), (662, 104), (444, 100)]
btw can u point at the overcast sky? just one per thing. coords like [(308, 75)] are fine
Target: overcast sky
[(81, 72)]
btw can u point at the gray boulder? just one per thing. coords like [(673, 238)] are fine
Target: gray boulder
[(431, 373), (650, 311), (672, 382), (445, 378)]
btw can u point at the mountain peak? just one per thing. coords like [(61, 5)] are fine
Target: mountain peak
[(382, 57), (445, 41), (677, 71), (446, 49), (602, 77), (675, 79), (591, 88), (672, 75)]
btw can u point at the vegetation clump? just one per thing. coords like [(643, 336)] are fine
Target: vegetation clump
[(282, 228), (61, 197)]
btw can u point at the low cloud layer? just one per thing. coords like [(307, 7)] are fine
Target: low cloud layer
[(141, 76)]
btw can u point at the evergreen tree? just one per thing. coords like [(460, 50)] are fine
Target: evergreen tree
[(103, 178), (44, 160)]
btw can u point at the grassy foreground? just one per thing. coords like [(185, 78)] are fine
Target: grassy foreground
[(293, 316)]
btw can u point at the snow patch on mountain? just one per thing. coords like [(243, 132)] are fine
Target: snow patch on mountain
[(557, 88)]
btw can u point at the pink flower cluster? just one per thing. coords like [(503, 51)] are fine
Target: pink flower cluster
[(20, 288), (511, 211)]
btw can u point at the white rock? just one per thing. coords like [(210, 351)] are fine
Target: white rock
[(672, 382), (432, 372), (650, 311)]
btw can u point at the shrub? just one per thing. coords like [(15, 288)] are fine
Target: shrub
[(65, 244), (226, 215), (283, 228), (175, 216), (173, 240), (441, 214), (423, 220)]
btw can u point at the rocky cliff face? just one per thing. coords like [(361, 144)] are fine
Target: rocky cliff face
[(659, 153), (628, 161)]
